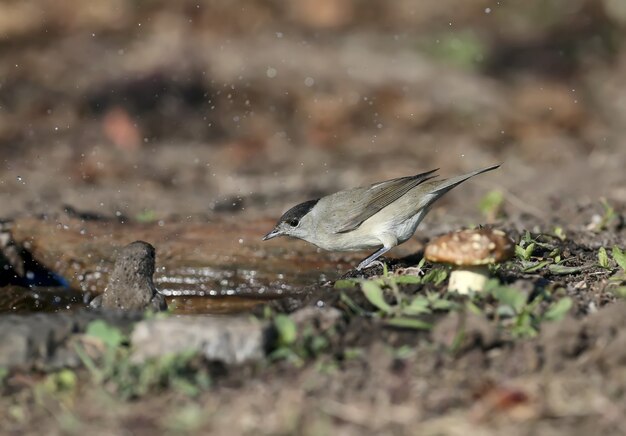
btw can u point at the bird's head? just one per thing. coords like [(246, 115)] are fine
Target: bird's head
[(297, 222)]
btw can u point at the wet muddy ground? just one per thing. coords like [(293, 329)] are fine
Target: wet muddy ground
[(193, 126)]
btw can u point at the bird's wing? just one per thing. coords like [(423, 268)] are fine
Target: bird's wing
[(380, 195)]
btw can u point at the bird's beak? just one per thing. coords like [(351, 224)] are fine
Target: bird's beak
[(272, 234)]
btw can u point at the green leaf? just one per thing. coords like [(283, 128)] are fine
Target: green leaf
[(407, 280), (418, 306), (352, 305), (564, 270), (524, 329), (473, 308), (603, 258), (535, 266), (318, 344), (491, 204), (608, 216), (286, 328), (461, 49), (528, 251), (111, 336), (436, 276), (351, 353), (619, 256), (409, 323), (385, 270), (286, 353), (185, 387), (346, 283), (620, 292), (4, 372), (441, 304), (491, 285), (510, 297), (505, 311), (64, 380), (524, 253), (403, 352), (554, 253), (560, 233), (146, 216), (374, 294), (559, 309), (421, 262)]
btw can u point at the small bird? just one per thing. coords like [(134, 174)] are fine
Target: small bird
[(381, 216)]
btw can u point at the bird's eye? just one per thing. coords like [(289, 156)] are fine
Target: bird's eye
[(294, 222)]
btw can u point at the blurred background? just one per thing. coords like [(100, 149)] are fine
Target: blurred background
[(154, 109)]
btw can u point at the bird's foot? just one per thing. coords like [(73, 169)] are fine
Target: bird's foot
[(371, 260), (365, 264)]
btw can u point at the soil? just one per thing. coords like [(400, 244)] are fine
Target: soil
[(193, 126)]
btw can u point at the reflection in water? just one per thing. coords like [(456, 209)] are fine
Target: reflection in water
[(204, 281), (211, 290), (213, 305)]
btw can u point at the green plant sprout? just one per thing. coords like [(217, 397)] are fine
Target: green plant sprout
[(521, 317), (491, 205), (608, 216), (404, 311), (115, 370)]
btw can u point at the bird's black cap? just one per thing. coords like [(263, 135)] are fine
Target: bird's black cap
[(298, 211)]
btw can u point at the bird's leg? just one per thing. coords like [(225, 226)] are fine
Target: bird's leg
[(370, 260), (374, 263)]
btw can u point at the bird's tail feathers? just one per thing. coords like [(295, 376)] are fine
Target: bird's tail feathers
[(445, 185)]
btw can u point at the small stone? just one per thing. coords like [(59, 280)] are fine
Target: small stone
[(130, 285), (14, 348), (227, 340)]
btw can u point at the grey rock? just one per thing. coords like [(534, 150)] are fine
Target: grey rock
[(130, 285), (43, 341), (227, 340), (14, 347)]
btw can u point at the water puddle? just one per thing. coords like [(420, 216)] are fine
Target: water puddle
[(221, 291), (189, 290), (16, 299), (201, 267)]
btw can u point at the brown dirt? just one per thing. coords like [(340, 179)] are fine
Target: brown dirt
[(194, 125)]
